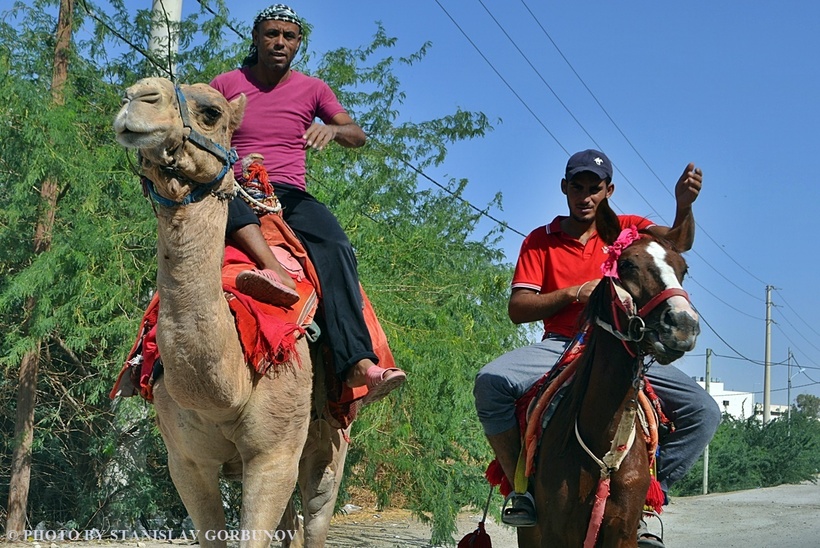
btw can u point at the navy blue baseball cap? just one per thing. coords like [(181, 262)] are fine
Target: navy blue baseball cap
[(589, 160)]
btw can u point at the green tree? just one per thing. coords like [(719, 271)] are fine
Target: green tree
[(808, 405), (78, 299), (745, 454)]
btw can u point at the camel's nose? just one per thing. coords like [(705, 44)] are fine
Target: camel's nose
[(143, 94)]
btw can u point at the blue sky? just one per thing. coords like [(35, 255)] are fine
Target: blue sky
[(731, 86)]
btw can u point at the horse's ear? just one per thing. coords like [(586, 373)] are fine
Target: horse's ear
[(682, 236), (237, 110), (607, 223)]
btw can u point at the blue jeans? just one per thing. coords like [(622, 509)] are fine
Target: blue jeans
[(695, 414)]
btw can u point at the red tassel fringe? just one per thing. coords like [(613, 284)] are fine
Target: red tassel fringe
[(495, 475), (654, 496)]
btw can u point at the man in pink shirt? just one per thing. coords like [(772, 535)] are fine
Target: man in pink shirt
[(280, 125)]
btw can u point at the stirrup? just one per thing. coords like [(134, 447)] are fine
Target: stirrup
[(521, 512)]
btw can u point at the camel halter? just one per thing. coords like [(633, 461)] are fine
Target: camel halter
[(227, 157)]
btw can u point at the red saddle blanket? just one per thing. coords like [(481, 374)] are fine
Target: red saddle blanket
[(268, 333)]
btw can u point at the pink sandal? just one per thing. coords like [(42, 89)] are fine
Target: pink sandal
[(380, 382), (266, 286)]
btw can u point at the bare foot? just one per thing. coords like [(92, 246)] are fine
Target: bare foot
[(357, 375)]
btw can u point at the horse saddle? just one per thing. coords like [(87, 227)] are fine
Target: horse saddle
[(536, 407)]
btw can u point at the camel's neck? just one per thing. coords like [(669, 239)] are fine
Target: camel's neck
[(204, 366)]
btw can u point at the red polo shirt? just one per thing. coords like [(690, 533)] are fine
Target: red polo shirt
[(550, 259)]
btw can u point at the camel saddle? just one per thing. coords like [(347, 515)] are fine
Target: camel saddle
[(268, 333)]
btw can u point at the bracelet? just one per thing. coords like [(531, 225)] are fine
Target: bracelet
[(578, 293)]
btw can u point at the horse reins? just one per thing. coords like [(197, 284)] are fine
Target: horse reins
[(625, 432)]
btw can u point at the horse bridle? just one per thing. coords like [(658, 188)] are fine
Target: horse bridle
[(227, 157), (624, 437), (635, 324)]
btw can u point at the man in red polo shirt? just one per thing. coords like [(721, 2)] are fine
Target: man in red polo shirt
[(558, 267)]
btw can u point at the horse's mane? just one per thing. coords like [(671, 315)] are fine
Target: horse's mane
[(597, 306)]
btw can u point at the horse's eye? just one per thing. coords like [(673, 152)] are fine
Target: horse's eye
[(627, 266)]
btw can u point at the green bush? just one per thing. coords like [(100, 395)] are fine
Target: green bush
[(745, 454)]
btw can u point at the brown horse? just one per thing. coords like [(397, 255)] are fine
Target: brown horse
[(586, 446)]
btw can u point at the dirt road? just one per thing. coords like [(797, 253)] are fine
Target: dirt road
[(783, 516)]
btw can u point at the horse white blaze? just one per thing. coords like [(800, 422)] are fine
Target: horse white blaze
[(670, 280)]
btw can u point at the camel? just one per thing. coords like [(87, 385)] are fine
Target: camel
[(215, 413)]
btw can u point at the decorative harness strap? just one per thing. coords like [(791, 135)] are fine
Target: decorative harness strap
[(622, 302), (611, 462)]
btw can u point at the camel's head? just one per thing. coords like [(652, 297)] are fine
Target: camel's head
[(183, 134)]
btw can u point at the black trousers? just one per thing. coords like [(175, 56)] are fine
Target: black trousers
[(340, 313)]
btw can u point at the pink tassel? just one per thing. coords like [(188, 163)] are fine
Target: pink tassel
[(597, 513)]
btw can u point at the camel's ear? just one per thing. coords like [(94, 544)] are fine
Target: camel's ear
[(607, 223), (237, 110)]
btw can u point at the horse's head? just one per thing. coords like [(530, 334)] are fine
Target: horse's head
[(652, 271), (649, 306), (183, 134)]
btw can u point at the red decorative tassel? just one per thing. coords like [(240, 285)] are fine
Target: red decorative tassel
[(495, 475), (654, 496), (477, 539)]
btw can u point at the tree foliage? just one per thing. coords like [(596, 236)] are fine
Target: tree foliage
[(809, 405), (438, 283)]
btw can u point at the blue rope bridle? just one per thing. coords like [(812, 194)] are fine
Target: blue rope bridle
[(227, 157)]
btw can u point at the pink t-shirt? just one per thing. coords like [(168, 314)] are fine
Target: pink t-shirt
[(276, 118)]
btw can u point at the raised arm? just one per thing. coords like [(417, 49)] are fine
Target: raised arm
[(687, 190)]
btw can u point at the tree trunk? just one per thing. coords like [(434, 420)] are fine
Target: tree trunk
[(27, 388), (23, 438)]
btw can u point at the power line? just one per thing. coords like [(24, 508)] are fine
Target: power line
[(145, 53), (805, 367), (632, 146), (722, 301), (796, 331), (566, 108), (807, 324), (718, 335), (517, 96), (419, 171), (578, 122)]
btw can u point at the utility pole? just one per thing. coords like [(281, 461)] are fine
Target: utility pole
[(706, 449), (165, 17), (789, 396), (767, 368)]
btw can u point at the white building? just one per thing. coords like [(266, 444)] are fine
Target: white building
[(740, 405)]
